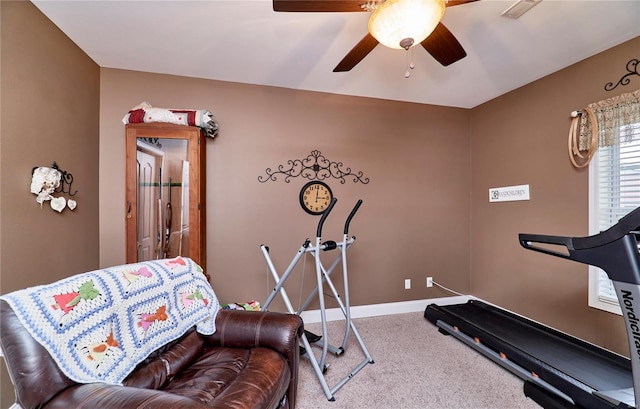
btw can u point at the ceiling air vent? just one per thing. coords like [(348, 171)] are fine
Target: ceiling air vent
[(520, 7)]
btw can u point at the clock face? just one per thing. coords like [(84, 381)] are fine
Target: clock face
[(315, 197)]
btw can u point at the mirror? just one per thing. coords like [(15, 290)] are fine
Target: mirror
[(164, 192)]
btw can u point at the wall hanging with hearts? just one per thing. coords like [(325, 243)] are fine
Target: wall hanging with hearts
[(45, 181)]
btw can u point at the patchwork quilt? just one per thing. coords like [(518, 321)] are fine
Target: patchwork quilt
[(98, 326)]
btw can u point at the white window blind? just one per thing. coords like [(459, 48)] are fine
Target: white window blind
[(615, 187)]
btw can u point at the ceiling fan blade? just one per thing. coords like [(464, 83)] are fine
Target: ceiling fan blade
[(452, 3), (443, 46), (357, 53), (318, 5)]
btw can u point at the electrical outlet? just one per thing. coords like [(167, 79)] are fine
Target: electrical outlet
[(407, 284), (429, 281)]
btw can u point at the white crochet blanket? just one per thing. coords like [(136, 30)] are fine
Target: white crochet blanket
[(98, 326)]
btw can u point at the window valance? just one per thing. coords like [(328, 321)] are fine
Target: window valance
[(605, 123)]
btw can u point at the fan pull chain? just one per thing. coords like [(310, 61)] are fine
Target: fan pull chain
[(410, 63)]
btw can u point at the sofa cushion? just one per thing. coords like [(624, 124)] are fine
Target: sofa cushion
[(167, 361), (234, 378)]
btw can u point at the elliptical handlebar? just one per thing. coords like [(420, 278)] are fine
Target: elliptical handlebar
[(324, 216), (353, 213)]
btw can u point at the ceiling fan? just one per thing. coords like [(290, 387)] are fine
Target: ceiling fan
[(435, 37)]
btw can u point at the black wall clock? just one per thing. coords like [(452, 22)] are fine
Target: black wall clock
[(315, 197)]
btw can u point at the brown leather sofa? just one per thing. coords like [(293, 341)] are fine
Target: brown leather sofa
[(251, 361)]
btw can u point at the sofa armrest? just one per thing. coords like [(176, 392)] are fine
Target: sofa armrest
[(247, 329), (100, 395)]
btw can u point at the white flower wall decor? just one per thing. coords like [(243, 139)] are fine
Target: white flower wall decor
[(46, 182)]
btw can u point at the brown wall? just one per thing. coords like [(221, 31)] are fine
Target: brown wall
[(414, 221), (521, 138), (425, 211), (50, 95)]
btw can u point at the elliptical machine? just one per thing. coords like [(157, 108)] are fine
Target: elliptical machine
[(323, 276)]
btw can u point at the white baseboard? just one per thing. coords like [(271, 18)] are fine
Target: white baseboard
[(374, 310)]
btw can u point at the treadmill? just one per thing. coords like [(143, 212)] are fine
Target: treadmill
[(561, 371)]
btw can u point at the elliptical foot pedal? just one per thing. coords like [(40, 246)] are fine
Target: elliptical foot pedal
[(311, 337)]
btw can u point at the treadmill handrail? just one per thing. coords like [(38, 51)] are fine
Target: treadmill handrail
[(628, 224), (529, 241)]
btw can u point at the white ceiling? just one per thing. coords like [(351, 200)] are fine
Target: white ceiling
[(246, 41)]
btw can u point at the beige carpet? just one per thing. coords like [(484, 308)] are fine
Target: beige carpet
[(415, 367)]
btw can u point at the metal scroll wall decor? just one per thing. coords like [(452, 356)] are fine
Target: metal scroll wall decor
[(314, 167), (632, 69), (48, 183)]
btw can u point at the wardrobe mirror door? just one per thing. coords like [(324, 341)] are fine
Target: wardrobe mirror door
[(162, 174), (162, 196)]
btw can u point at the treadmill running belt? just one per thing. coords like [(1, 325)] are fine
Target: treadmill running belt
[(599, 369)]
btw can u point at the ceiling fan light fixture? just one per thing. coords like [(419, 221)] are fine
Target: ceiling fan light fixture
[(395, 22)]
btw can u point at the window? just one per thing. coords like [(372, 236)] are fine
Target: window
[(606, 137), (614, 191)]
